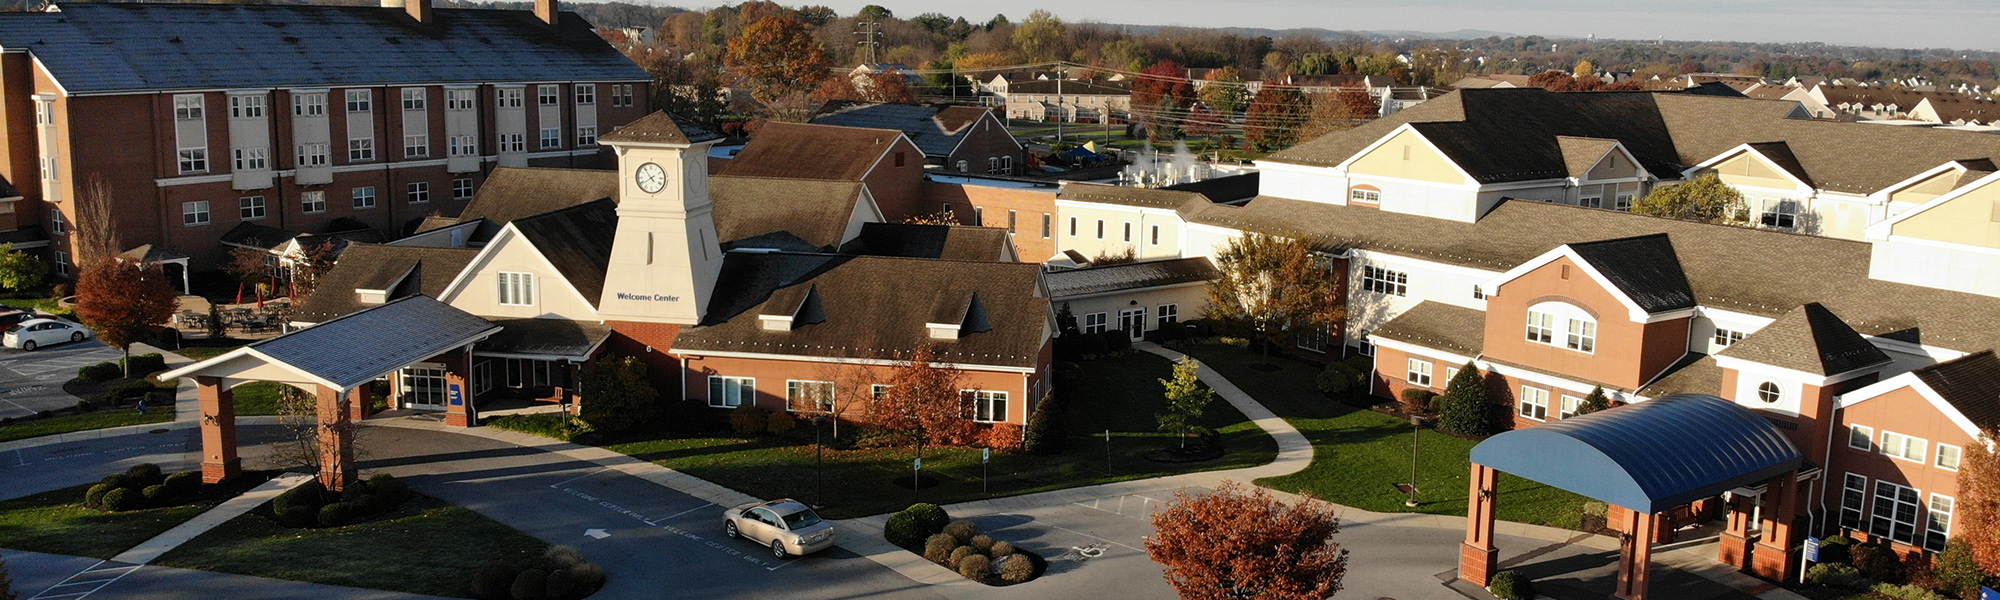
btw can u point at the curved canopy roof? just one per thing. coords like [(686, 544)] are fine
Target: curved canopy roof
[(1649, 456)]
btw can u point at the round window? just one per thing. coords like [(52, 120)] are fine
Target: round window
[(1770, 393)]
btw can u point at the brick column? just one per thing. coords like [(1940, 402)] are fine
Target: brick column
[(1635, 554), (1735, 550), (357, 403), (458, 409), (218, 431), (1773, 557), (336, 440), (1477, 558)]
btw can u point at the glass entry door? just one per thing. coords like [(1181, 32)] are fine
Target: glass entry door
[(1133, 321), (423, 387)]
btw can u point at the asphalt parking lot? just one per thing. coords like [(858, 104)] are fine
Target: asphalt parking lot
[(32, 381)]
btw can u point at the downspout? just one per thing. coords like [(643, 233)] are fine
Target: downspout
[(1825, 472)]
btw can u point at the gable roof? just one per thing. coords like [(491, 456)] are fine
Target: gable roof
[(512, 193), (803, 215), (1811, 339), (875, 308), (1780, 154), (350, 350), (1580, 154), (808, 151), (1970, 384), (546, 337), (662, 127), (937, 130), (1434, 324), (1645, 268), (1129, 276), (1505, 135), (1753, 271), (379, 267), (124, 47), (949, 242), (577, 240)]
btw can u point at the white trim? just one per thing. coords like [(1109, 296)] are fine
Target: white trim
[(841, 361), (1632, 308), (1884, 193), (1458, 361), (1910, 380), (1746, 147), (788, 394), (1881, 229), (509, 232), (1636, 166), (1128, 291), (1776, 372), (1955, 246), (1470, 182)]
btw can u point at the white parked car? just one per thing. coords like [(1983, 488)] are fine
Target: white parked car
[(790, 528), (36, 333)]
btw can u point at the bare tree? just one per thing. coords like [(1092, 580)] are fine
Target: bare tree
[(96, 236), (853, 391)]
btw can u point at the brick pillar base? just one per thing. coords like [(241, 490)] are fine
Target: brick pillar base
[(1773, 563), (1477, 565), (457, 419), (1735, 551), (1477, 557), (218, 472), (218, 431)]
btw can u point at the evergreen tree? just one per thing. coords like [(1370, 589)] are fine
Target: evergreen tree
[(1594, 402), (619, 395), (1467, 409)]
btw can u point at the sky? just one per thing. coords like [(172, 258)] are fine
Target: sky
[(1963, 24)]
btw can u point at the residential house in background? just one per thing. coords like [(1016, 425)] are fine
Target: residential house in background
[(961, 139), (885, 160), (1071, 101)]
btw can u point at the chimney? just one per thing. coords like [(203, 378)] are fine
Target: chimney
[(418, 9), (548, 11)]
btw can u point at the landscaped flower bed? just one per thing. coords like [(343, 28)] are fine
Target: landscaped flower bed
[(958, 545)]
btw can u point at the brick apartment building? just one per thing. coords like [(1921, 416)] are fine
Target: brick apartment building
[(197, 118)]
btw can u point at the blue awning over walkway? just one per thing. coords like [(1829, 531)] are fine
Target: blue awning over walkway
[(1649, 456)]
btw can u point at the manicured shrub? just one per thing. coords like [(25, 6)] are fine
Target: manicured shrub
[(1091, 346), (749, 420), (1955, 569), (392, 490), (130, 389), (780, 423), (186, 482), (1002, 437), (335, 514), (156, 494), (94, 497), (104, 371), (589, 577), (1508, 585), (299, 517), (495, 581), (902, 530), (1116, 340), (938, 548), (1416, 400), (975, 567), (530, 584), (1467, 409), (1338, 378), (1878, 563), (1836, 575), (144, 474), (982, 542), (1000, 549), (930, 518), (1018, 568), (117, 480), (1046, 430), (1905, 592), (120, 500), (145, 364), (309, 495), (1836, 549), (963, 530), (561, 585), (959, 553), (355, 492)]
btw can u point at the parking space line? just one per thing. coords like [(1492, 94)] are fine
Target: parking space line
[(1097, 538), (564, 482), (660, 523), (703, 505)]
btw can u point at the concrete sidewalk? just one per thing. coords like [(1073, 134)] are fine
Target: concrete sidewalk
[(170, 539), (187, 412)]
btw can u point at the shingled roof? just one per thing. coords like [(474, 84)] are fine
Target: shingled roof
[(379, 267), (1753, 271), (95, 47), (546, 337), (577, 240), (1433, 324), (1809, 339), (518, 192), (1970, 384), (874, 308), (352, 349), (937, 130), (805, 151), (786, 214), (1505, 135), (1129, 276), (1645, 268), (949, 242), (662, 127)]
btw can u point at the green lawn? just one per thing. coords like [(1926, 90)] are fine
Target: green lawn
[(204, 352), (1359, 454), (427, 546), (57, 523), (258, 398), (86, 421), (1120, 394)]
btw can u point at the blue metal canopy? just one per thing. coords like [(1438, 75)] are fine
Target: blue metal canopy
[(1650, 456)]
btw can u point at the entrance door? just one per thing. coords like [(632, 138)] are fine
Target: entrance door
[(423, 387), (1133, 321)]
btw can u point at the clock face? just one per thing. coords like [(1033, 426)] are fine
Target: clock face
[(651, 178)]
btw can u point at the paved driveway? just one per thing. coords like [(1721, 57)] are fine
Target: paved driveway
[(32, 381)]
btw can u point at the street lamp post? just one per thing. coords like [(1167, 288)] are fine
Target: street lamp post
[(819, 465), (1416, 428)]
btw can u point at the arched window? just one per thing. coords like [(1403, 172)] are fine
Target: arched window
[(1769, 392), (1578, 330)]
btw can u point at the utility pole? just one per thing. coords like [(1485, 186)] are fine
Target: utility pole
[(1061, 112), (868, 33)]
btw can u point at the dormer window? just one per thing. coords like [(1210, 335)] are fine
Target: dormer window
[(1579, 328), (516, 289)]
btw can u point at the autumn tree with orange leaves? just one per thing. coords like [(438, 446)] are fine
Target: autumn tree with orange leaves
[(779, 57), (1232, 543), (124, 302), (1978, 508), (926, 401), (875, 87)]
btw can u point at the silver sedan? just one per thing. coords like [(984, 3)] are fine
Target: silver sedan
[(788, 527)]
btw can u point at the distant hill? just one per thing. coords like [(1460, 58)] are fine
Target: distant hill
[(1318, 32)]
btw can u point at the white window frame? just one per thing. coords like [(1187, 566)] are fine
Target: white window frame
[(1906, 447), (195, 214), (515, 288), (1096, 322), (464, 145), (1725, 338), (720, 385), (1937, 528), (1570, 404), (1777, 213), (62, 262), (58, 224), (415, 99), (514, 142), (1581, 335), (461, 188), (586, 94), (1100, 229), (1957, 457), (189, 107), (1590, 201), (460, 100), (1365, 196), (417, 192), (312, 202), (1156, 235), (193, 160), (246, 107), (360, 101), (250, 208), (551, 137), (1168, 314), (311, 154), (1854, 502), (1534, 403), (1775, 390), (1419, 373), (508, 97), (363, 197), (252, 159), (1384, 281), (1863, 434), (1541, 327), (417, 145), (1623, 201), (985, 403), (1885, 522), (548, 94), (309, 105), (586, 136), (360, 149), (795, 387)]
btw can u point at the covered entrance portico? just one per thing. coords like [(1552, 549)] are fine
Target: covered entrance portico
[(335, 361), (1644, 459)]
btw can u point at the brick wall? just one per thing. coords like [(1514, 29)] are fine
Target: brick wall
[(1029, 206)]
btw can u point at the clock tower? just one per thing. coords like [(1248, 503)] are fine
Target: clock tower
[(665, 257)]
